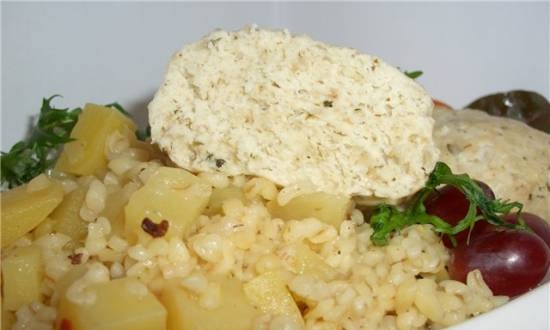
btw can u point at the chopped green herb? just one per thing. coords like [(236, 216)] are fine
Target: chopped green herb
[(387, 219), (27, 159), (413, 74), (327, 104), (31, 157), (140, 134), (144, 134), (119, 108)]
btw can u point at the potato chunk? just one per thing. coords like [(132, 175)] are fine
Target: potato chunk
[(185, 312), (170, 194), (22, 277), (8, 319), (67, 215), (114, 211), (69, 278), (303, 260), (24, 207), (268, 293), (86, 154), (328, 208), (123, 304), (221, 194)]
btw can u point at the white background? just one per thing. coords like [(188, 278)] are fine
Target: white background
[(117, 51)]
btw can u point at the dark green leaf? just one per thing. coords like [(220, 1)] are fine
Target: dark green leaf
[(140, 134), (27, 159), (387, 219), (413, 74), (119, 108), (144, 134)]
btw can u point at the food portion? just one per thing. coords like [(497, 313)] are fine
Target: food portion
[(22, 274), (119, 304), (512, 158), (295, 111), (526, 106), (108, 233), (84, 154), (24, 207)]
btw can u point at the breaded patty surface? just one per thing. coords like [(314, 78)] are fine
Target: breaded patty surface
[(511, 157), (296, 111)]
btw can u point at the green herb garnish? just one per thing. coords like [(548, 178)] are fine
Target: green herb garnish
[(31, 157), (144, 134), (387, 219), (140, 134), (119, 108), (413, 74), (27, 159)]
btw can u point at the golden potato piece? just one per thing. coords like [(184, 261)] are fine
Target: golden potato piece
[(86, 154), (330, 209), (268, 293), (170, 194), (67, 215), (22, 277), (24, 207), (123, 304), (185, 312)]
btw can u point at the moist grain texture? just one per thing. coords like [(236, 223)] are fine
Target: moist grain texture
[(333, 273), (295, 111), (511, 157)]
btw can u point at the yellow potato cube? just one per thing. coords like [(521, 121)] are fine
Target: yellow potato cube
[(86, 154), (221, 194), (67, 215), (44, 228), (22, 277), (303, 260), (268, 293), (185, 312), (171, 194), (69, 278), (328, 208), (24, 207), (123, 304), (8, 319), (114, 211)]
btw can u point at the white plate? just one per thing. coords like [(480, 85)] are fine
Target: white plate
[(113, 51)]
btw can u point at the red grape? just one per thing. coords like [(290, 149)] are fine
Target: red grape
[(450, 204), (536, 223), (511, 262), (487, 191)]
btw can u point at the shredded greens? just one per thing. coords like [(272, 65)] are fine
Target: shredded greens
[(413, 74), (31, 157), (119, 108), (144, 134), (387, 219), (27, 159)]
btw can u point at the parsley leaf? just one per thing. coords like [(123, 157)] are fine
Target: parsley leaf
[(27, 159), (387, 219), (119, 108), (413, 74), (143, 134)]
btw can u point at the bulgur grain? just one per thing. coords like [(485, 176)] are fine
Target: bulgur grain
[(391, 287)]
